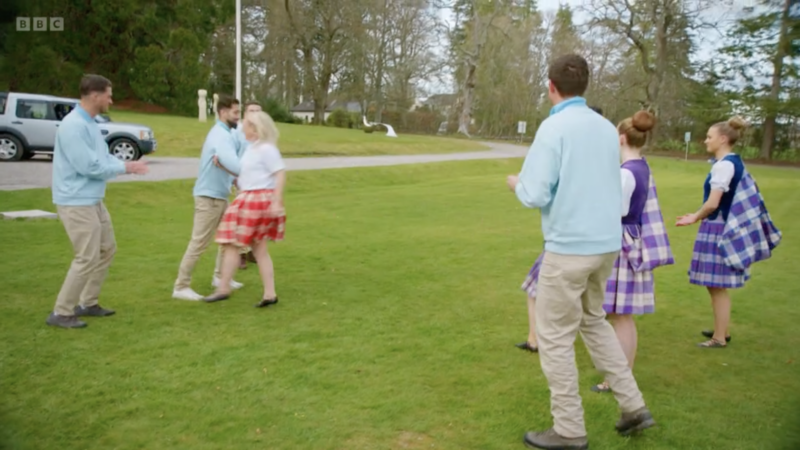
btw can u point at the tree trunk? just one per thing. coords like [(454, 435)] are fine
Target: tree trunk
[(770, 121), (468, 89)]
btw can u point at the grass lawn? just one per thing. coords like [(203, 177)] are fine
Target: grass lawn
[(400, 305), (184, 136)]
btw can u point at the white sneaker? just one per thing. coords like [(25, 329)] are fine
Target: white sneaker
[(234, 284), (186, 294)]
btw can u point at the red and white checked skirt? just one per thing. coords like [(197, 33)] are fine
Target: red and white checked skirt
[(246, 221)]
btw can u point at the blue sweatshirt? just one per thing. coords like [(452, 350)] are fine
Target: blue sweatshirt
[(241, 141), (81, 161), (212, 181), (571, 172)]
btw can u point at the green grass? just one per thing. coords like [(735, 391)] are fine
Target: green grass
[(400, 305), (183, 137)]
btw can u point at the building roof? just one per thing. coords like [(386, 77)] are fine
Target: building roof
[(308, 106)]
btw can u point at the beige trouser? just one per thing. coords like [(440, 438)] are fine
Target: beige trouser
[(208, 214), (570, 293), (92, 236)]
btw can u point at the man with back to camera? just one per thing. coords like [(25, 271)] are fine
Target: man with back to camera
[(211, 192), (572, 174), (82, 165)]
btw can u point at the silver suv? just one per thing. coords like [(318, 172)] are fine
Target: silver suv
[(28, 124)]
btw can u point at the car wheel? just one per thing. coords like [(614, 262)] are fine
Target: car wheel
[(11, 148), (125, 150)]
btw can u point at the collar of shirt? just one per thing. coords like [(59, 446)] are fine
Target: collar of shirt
[(574, 101), (85, 115), (224, 125)]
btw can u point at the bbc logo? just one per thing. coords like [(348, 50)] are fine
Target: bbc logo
[(40, 23)]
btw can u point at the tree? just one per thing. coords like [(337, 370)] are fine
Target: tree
[(659, 34), (323, 29), (766, 40)]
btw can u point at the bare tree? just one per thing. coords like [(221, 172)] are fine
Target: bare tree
[(323, 29), (469, 35), (658, 30)]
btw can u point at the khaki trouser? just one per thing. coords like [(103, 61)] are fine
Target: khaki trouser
[(208, 214), (92, 236), (570, 293)]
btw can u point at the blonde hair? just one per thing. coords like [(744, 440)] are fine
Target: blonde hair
[(265, 127), (635, 128), (731, 129)]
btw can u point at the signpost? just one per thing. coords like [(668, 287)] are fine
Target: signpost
[(687, 137), (522, 126)]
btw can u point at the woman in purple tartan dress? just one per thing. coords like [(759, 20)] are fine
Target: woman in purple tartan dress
[(628, 292), (708, 268)]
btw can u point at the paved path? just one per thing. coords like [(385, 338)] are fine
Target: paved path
[(37, 173)]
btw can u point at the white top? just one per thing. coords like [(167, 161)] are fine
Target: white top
[(721, 175), (628, 186), (260, 163)]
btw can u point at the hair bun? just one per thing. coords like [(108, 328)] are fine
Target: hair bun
[(737, 123), (643, 121)]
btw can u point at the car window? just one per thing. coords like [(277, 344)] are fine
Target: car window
[(2, 104), (31, 109), (62, 109)]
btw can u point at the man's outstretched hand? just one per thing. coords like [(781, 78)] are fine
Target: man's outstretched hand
[(136, 167), (512, 182)]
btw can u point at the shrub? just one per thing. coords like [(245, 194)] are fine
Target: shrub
[(279, 111), (339, 118)]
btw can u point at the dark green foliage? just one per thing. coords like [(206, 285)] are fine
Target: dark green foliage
[(150, 49), (278, 111), (340, 118)]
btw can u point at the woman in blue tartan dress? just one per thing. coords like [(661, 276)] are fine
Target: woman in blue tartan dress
[(708, 268), (629, 291)]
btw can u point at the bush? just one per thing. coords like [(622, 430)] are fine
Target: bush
[(279, 111), (339, 118)]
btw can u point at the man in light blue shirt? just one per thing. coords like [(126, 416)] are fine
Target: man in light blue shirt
[(81, 167), (571, 174), (211, 192)]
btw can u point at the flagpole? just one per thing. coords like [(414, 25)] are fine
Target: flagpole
[(239, 50)]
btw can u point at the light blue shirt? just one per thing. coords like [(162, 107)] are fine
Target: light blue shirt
[(212, 181), (241, 141), (81, 161), (572, 174)]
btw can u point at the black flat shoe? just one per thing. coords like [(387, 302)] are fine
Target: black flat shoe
[(267, 302), (710, 333), (527, 346), (216, 298)]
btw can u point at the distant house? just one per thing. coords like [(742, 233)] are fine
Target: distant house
[(305, 110), (441, 103)]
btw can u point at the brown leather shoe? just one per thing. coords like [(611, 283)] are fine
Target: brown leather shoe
[(635, 421), (55, 320), (93, 311), (550, 440)]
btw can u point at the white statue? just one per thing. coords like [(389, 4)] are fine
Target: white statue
[(216, 99), (202, 104), (389, 130)]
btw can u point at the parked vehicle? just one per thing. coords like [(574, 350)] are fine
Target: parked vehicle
[(28, 124)]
